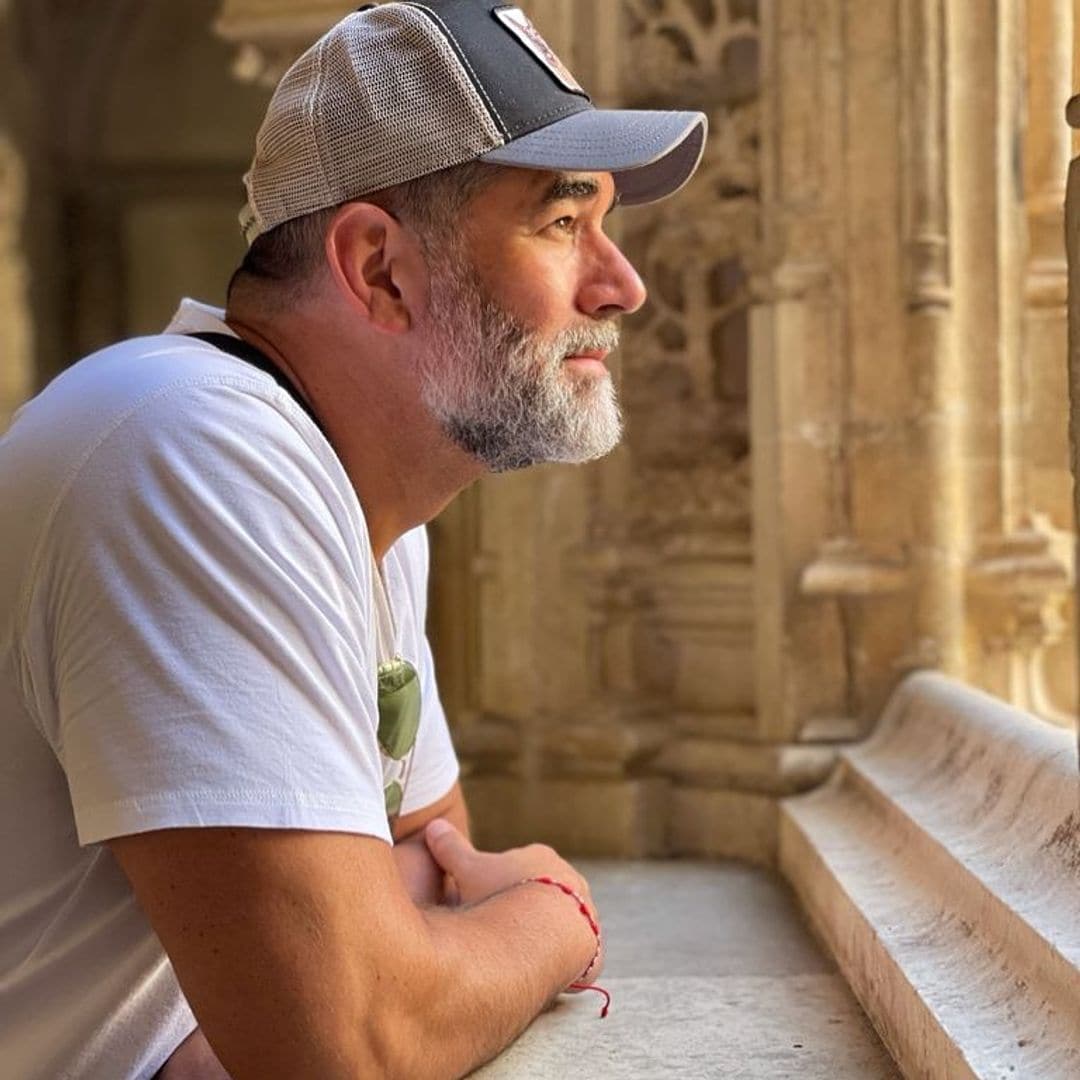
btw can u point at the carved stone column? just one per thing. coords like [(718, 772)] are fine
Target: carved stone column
[(1072, 243), (938, 510), (1013, 613), (1052, 671), (830, 390)]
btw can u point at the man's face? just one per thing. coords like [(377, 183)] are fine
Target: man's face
[(521, 317)]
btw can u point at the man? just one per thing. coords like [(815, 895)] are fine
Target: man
[(230, 823)]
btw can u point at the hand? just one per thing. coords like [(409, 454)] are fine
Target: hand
[(479, 875)]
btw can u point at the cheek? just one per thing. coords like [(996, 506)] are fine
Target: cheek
[(541, 293)]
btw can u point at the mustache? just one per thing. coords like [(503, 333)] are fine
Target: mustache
[(579, 339)]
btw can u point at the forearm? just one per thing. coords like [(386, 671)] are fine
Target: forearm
[(421, 874), (301, 954), (493, 969)]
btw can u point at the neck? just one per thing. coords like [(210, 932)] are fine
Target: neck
[(365, 393)]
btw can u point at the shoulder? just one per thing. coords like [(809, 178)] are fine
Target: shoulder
[(171, 433), (143, 389), (152, 401)]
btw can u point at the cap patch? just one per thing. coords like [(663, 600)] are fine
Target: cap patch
[(518, 23)]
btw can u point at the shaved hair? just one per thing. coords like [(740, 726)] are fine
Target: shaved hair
[(283, 263)]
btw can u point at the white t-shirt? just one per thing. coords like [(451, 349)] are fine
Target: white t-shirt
[(186, 639)]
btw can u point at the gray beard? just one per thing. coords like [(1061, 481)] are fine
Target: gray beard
[(502, 392)]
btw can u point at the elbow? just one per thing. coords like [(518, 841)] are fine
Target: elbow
[(397, 1045), (403, 1034)]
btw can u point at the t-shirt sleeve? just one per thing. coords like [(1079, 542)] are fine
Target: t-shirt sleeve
[(208, 657), (434, 768)]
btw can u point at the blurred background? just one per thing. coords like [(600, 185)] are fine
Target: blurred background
[(847, 404)]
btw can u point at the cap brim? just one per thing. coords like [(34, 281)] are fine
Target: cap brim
[(650, 154)]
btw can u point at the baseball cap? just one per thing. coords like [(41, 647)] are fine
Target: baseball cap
[(399, 90)]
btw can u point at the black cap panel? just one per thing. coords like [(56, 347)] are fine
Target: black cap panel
[(522, 93)]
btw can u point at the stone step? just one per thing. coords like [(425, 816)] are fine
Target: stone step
[(940, 866)]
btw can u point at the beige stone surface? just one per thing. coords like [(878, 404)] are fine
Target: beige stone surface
[(581, 817), (941, 867), (712, 974), (805, 1026), (723, 824)]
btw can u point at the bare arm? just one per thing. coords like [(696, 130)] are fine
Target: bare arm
[(302, 954)]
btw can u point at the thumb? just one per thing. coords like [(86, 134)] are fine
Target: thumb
[(447, 845)]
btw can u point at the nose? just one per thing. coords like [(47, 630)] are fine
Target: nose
[(612, 287)]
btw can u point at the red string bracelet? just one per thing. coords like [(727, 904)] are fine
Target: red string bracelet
[(579, 983)]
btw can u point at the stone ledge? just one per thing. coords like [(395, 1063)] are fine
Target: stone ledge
[(712, 974), (941, 865), (696, 1027)]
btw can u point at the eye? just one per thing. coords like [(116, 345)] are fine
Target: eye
[(564, 224)]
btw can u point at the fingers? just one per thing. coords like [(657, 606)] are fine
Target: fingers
[(448, 847), (451, 892)]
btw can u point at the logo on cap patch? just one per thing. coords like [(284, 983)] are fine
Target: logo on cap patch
[(518, 23)]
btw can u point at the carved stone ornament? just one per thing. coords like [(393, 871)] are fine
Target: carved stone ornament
[(843, 569), (692, 50), (1017, 588)]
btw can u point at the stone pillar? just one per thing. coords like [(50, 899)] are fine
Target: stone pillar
[(939, 507), (1052, 671), (830, 392), (795, 367), (1072, 245), (1015, 582)]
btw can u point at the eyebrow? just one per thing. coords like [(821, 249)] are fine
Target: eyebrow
[(579, 188)]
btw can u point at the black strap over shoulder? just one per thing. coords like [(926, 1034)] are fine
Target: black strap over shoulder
[(244, 350)]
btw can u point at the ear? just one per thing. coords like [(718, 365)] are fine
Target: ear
[(375, 264)]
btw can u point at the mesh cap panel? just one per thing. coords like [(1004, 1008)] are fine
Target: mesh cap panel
[(336, 129)]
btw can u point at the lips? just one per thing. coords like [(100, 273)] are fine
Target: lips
[(598, 355)]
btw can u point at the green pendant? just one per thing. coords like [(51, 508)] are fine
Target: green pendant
[(399, 708)]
